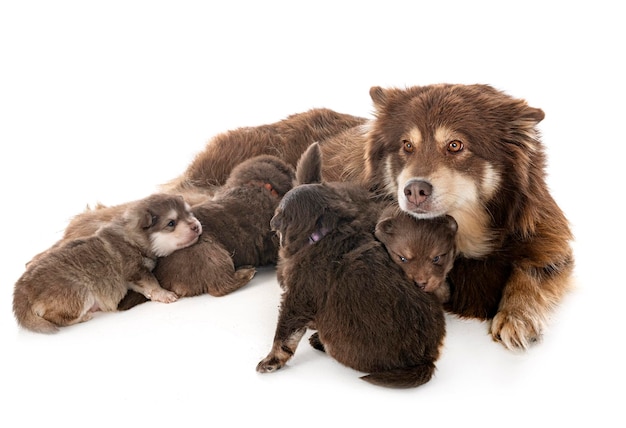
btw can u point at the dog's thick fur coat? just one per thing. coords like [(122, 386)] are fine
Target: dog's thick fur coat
[(72, 280), (469, 151), (339, 280)]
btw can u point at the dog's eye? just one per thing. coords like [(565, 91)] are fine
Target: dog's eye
[(403, 259), (408, 146), (171, 223), (455, 146), (437, 259)]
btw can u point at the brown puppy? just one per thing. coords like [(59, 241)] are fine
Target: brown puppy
[(236, 232), (469, 151), (338, 279), (66, 284), (424, 249)]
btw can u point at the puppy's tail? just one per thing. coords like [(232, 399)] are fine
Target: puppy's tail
[(28, 317), (406, 377)]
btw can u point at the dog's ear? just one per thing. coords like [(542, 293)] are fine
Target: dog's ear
[(452, 224), (147, 220), (535, 114), (378, 96), (383, 96), (384, 228), (309, 168)]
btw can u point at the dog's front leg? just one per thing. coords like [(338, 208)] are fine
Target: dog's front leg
[(289, 330), (528, 299), (148, 285)]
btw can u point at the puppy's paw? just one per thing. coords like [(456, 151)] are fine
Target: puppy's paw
[(316, 343), (245, 273), (163, 296), (516, 331), (270, 364)]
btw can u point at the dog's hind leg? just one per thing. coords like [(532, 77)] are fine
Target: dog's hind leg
[(232, 281), (316, 343)]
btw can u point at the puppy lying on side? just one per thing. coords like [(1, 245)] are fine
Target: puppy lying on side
[(236, 234), (425, 249), (66, 284), (338, 279)]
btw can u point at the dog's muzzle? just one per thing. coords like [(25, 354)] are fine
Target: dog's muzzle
[(417, 191)]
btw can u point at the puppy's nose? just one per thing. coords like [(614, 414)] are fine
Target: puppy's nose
[(421, 284), (417, 191), (196, 227)]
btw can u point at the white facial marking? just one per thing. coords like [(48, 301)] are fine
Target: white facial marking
[(458, 195), (490, 182), (165, 242)]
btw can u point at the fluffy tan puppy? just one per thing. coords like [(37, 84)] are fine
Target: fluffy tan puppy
[(68, 283)]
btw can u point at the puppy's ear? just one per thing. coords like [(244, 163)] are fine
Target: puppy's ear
[(147, 220), (384, 228), (309, 168), (452, 224), (276, 221)]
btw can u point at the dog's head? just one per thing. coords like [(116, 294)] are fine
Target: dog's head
[(263, 170), (167, 222), (312, 209), (424, 248), (449, 149)]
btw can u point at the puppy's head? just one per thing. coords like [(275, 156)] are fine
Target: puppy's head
[(263, 169), (312, 209), (166, 220), (307, 214), (424, 249), (446, 149)]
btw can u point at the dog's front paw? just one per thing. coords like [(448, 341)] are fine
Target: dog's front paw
[(163, 296), (270, 364), (515, 330)]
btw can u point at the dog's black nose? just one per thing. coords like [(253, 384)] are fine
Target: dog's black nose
[(417, 191)]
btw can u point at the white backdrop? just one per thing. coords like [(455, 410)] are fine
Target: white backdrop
[(103, 102)]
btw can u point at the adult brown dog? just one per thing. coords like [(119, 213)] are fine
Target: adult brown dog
[(469, 151), (68, 283), (339, 280)]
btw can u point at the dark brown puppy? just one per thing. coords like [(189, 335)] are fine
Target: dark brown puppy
[(469, 151), (236, 232), (338, 279), (76, 278), (424, 249)]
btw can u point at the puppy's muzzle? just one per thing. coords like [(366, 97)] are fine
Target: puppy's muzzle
[(417, 191)]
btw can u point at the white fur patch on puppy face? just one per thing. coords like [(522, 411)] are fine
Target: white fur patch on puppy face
[(174, 233)]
